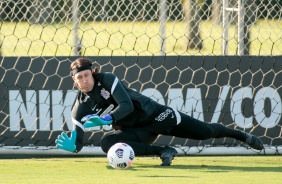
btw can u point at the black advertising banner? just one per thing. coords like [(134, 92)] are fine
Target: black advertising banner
[(240, 92)]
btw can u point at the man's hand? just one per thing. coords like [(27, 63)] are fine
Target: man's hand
[(95, 120), (66, 143)]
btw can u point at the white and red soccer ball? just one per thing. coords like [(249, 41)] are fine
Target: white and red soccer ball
[(120, 156)]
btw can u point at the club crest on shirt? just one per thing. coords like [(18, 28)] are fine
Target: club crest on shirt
[(105, 93)]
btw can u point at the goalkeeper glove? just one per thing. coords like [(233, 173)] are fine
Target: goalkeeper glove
[(66, 143), (95, 120)]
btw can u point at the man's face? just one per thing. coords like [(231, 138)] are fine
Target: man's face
[(84, 80)]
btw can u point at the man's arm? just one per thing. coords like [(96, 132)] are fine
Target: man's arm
[(80, 134), (120, 95)]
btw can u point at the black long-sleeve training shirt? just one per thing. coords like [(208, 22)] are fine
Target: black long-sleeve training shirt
[(109, 96)]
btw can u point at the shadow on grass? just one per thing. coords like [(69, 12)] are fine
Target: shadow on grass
[(174, 176), (213, 168), (205, 168)]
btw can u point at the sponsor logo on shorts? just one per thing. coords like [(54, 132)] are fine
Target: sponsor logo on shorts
[(165, 114)]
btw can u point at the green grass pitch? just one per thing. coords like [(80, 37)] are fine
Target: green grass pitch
[(185, 169)]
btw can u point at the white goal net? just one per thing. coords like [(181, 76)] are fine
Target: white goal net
[(218, 61)]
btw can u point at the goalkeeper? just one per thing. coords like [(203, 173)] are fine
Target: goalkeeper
[(102, 99)]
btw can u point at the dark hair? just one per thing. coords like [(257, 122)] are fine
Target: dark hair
[(82, 62)]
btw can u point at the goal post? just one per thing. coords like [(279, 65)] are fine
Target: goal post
[(77, 44), (145, 44)]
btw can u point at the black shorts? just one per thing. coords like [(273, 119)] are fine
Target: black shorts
[(162, 123)]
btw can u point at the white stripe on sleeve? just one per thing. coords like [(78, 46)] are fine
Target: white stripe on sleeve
[(114, 85), (77, 123)]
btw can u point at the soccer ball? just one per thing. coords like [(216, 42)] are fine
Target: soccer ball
[(120, 156)]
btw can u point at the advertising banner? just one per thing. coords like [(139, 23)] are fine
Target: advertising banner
[(244, 93)]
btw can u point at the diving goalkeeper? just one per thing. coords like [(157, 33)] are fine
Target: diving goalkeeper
[(102, 99)]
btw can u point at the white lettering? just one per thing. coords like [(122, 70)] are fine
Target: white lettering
[(193, 104), (55, 107), (236, 108), (175, 98), (220, 104), (22, 111), (259, 101), (44, 110), (26, 111), (154, 95), (61, 109)]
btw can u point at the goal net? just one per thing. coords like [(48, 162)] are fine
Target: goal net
[(218, 61)]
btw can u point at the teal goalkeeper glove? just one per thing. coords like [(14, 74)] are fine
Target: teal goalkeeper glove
[(95, 120), (66, 143)]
